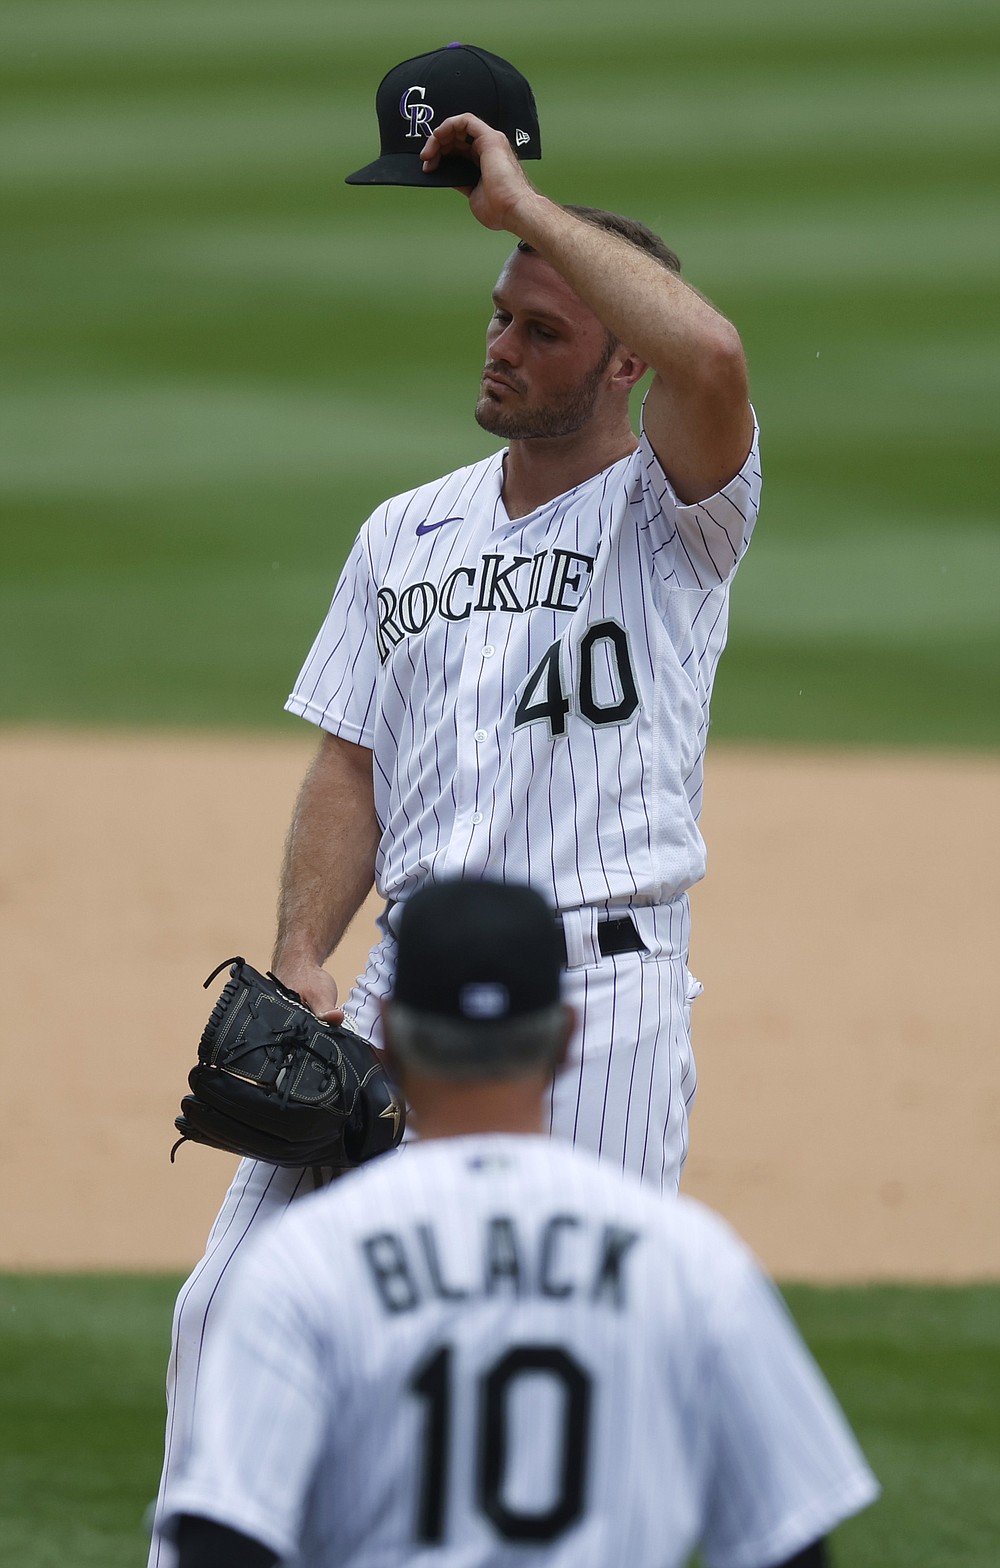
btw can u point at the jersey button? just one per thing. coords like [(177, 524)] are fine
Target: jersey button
[(489, 651), (480, 736), (476, 818)]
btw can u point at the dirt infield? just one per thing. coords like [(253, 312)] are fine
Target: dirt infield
[(848, 1116)]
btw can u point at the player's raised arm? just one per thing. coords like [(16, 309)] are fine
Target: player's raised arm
[(697, 412)]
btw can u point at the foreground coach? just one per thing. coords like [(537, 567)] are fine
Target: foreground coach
[(491, 1349)]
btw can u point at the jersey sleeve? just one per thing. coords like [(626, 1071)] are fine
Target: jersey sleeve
[(785, 1467), (337, 684), (263, 1396), (701, 545)]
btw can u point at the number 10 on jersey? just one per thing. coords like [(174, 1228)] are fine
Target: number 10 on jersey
[(493, 1395)]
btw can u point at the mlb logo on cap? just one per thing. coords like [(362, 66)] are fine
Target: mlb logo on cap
[(484, 1000), (417, 95), (477, 951)]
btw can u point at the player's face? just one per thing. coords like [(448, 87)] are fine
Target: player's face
[(547, 356)]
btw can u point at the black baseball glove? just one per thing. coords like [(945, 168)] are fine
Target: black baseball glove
[(273, 1082)]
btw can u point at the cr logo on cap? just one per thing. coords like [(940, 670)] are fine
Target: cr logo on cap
[(419, 114)]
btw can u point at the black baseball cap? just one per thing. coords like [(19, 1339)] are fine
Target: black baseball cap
[(417, 95), (477, 952)]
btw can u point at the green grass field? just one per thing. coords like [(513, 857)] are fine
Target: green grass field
[(215, 357), (81, 1405)]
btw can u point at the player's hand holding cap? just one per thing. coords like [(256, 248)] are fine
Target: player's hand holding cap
[(419, 94)]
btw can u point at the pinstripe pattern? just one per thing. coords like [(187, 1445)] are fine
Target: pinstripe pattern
[(258, 1192), (707, 1422), (442, 613), (631, 1013), (432, 638)]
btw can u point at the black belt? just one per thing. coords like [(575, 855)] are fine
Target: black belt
[(613, 936)]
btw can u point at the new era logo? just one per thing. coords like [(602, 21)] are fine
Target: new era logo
[(520, 137)]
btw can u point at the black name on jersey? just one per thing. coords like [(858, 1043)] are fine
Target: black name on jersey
[(552, 580), (570, 1258)]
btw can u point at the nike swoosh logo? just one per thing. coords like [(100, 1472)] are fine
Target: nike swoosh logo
[(428, 528)]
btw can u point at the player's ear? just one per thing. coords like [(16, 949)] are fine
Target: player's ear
[(630, 370)]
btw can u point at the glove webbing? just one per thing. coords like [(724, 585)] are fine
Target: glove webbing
[(298, 1034)]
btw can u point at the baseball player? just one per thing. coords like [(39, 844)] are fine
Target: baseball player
[(493, 1349), (514, 676)]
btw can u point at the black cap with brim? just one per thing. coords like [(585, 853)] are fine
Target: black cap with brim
[(404, 168), (420, 93)]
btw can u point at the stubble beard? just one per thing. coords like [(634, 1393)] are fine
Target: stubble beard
[(562, 418)]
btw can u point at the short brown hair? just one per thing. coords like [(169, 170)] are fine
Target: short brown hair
[(628, 229)]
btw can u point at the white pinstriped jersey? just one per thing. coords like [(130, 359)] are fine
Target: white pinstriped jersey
[(535, 692), (491, 1350)]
